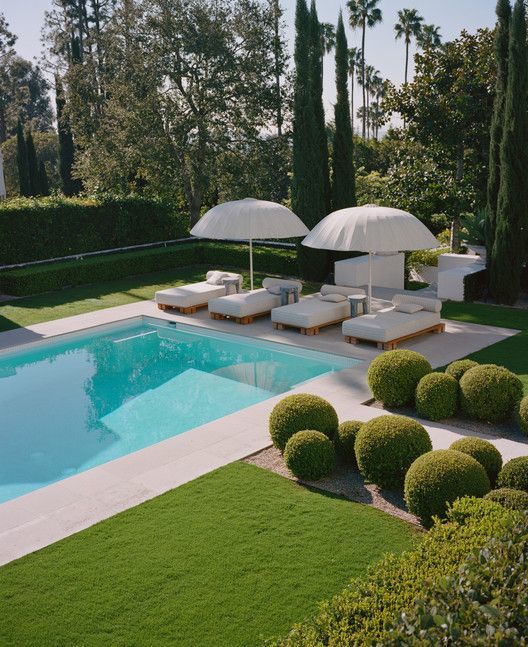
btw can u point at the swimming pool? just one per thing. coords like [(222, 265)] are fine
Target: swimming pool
[(72, 403)]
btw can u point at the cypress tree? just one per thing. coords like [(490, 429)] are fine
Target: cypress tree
[(70, 186), (43, 179), (34, 184), (22, 162), (344, 180), (512, 203), (502, 33)]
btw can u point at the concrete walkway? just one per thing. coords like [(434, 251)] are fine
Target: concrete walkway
[(53, 512)]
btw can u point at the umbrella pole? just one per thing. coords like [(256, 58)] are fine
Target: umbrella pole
[(370, 284), (251, 263)]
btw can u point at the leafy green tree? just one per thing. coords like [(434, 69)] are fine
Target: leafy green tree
[(343, 187), (409, 25), (512, 203), (354, 62), (364, 14), (46, 148), (429, 36), (7, 40), (502, 37), (33, 169), (70, 185), (22, 162), (43, 179)]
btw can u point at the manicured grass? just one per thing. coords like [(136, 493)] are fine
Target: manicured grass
[(233, 557)]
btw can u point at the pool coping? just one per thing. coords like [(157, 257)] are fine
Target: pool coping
[(53, 512)]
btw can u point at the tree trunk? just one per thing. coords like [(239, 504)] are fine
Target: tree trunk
[(363, 77), (3, 126), (455, 225), (406, 60), (352, 75)]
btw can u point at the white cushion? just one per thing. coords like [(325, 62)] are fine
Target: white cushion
[(245, 304), (311, 312), (408, 308), (341, 289), (190, 295), (215, 278), (333, 298), (431, 305), (388, 324)]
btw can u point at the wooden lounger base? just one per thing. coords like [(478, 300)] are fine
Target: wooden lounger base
[(239, 320), (184, 311), (391, 345), (309, 331)]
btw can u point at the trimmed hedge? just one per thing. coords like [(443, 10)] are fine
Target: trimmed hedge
[(34, 229), (387, 446), (309, 455), (437, 396), (490, 393), (345, 440), (438, 478), (484, 452), (300, 412), (515, 474), (509, 498), (523, 415), (393, 376), (458, 368), (56, 276), (362, 614)]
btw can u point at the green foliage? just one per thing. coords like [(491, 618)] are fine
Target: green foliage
[(370, 187), (387, 446), (484, 452), (364, 611), (22, 162), (438, 478), (345, 440), (515, 474), (490, 393), (428, 257), (437, 396), (393, 376), (523, 415), (509, 498), (66, 149), (475, 285), (309, 455), (34, 180), (459, 367), (46, 149), (300, 412)]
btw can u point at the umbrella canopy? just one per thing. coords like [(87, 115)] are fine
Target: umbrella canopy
[(2, 182), (249, 219), (370, 229)]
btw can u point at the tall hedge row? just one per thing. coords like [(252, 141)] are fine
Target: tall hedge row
[(37, 229)]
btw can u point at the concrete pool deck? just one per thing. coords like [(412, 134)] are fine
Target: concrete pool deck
[(56, 511)]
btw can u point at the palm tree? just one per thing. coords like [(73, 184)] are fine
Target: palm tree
[(328, 37), (354, 62), (409, 25), (429, 37), (363, 14)]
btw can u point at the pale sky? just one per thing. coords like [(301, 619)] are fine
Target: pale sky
[(382, 51)]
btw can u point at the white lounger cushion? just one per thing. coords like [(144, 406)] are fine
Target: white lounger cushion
[(387, 325), (310, 312), (245, 304), (193, 294), (341, 289), (432, 305)]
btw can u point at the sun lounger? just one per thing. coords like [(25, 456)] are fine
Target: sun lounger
[(188, 298), (409, 317), (330, 306), (244, 307)]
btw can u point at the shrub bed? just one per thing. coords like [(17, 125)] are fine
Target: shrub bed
[(523, 415), (509, 498), (393, 376), (438, 478), (387, 446), (484, 452), (437, 396), (300, 412), (309, 455), (490, 393), (460, 367), (345, 440), (514, 474)]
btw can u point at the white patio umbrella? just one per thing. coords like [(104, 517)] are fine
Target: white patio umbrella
[(370, 229), (249, 219), (2, 181)]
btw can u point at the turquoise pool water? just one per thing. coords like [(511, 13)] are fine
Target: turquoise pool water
[(71, 404)]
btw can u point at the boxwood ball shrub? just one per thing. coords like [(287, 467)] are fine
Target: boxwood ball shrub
[(509, 498), (458, 368), (394, 375), (437, 396), (387, 446), (299, 412), (438, 478), (484, 452), (514, 474), (309, 455), (345, 440), (523, 415), (490, 393)]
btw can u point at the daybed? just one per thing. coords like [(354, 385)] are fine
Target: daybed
[(330, 306), (188, 298), (409, 316), (244, 307)]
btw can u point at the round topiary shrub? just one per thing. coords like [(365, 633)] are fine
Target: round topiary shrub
[(345, 440), (394, 375), (298, 412), (387, 446), (438, 478), (509, 498), (437, 396), (523, 415), (309, 455), (490, 393), (458, 368), (514, 474), (484, 452)]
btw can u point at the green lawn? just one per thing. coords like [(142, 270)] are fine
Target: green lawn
[(235, 556)]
